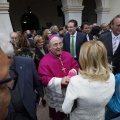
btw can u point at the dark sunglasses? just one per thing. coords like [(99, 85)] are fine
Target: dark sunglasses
[(5, 81), (13, 76)]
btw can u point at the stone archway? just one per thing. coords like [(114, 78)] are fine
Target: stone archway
[(29, 21), (73, 10)]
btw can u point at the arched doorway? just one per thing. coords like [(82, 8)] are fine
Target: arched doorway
[(29, 21), (88, 13)]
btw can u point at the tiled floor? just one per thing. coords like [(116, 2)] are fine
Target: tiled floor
[(43, 113)]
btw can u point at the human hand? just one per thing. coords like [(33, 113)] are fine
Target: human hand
[(65, 80)]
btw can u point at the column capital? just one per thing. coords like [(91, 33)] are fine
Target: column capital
[(72, 9), (71, 2), (4, 7), (102, 10)]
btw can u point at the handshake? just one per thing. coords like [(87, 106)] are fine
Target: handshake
[(65, 80)]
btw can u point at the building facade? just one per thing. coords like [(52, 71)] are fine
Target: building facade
[(47, 13)]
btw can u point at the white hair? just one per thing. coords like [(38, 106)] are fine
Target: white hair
[(7, 47)]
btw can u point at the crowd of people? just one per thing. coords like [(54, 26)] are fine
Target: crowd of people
[(76, 67)]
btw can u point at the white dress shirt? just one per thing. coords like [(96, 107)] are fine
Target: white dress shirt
[(87, 37), (117, 38)]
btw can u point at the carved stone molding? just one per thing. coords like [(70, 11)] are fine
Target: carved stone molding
[(73, 9), (71, 2), (4, 7), (3, 1), (102, 10)]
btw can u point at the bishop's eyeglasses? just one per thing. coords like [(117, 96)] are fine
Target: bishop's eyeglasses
[(57, 44)]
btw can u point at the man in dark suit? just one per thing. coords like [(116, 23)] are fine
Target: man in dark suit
[(111, 41), (85, 27), (23, 95), (72, 35)]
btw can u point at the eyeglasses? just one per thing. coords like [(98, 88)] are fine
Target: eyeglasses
[(56, 45), (14, 75), (5, 80)]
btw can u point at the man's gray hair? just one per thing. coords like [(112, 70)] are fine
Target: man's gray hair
[(7, 47)]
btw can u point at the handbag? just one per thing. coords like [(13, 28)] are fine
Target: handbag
[(43, 111)]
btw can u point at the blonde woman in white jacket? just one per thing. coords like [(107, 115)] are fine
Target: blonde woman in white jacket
[(93, 87)]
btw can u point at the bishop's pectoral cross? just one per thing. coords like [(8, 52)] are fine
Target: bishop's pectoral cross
[(63, 69)]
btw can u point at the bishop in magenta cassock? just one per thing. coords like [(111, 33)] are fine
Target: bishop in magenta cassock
[(54, 71)]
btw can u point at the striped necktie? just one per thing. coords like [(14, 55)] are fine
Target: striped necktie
[(72, 47), (114, 44)]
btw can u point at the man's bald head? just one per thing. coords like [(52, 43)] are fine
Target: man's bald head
[(13, 37)]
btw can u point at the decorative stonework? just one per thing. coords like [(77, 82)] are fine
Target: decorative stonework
[(5, 23), (4, 7), (72, 2), (100, 10), (72, 9), (3, 1)]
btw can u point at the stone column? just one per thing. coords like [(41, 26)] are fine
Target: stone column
[(5, 23), (72, 10)]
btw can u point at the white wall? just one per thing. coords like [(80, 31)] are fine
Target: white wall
[(114, 8)]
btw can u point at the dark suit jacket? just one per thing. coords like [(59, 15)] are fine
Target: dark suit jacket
[(27, 82), (80, 39), (31, 42), (106, 38), (39, 55), (105, 32)]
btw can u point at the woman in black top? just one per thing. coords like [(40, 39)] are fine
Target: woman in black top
[(40, 49)]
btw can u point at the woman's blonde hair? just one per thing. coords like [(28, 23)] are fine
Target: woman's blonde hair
[(93, 60), (37, 38)]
